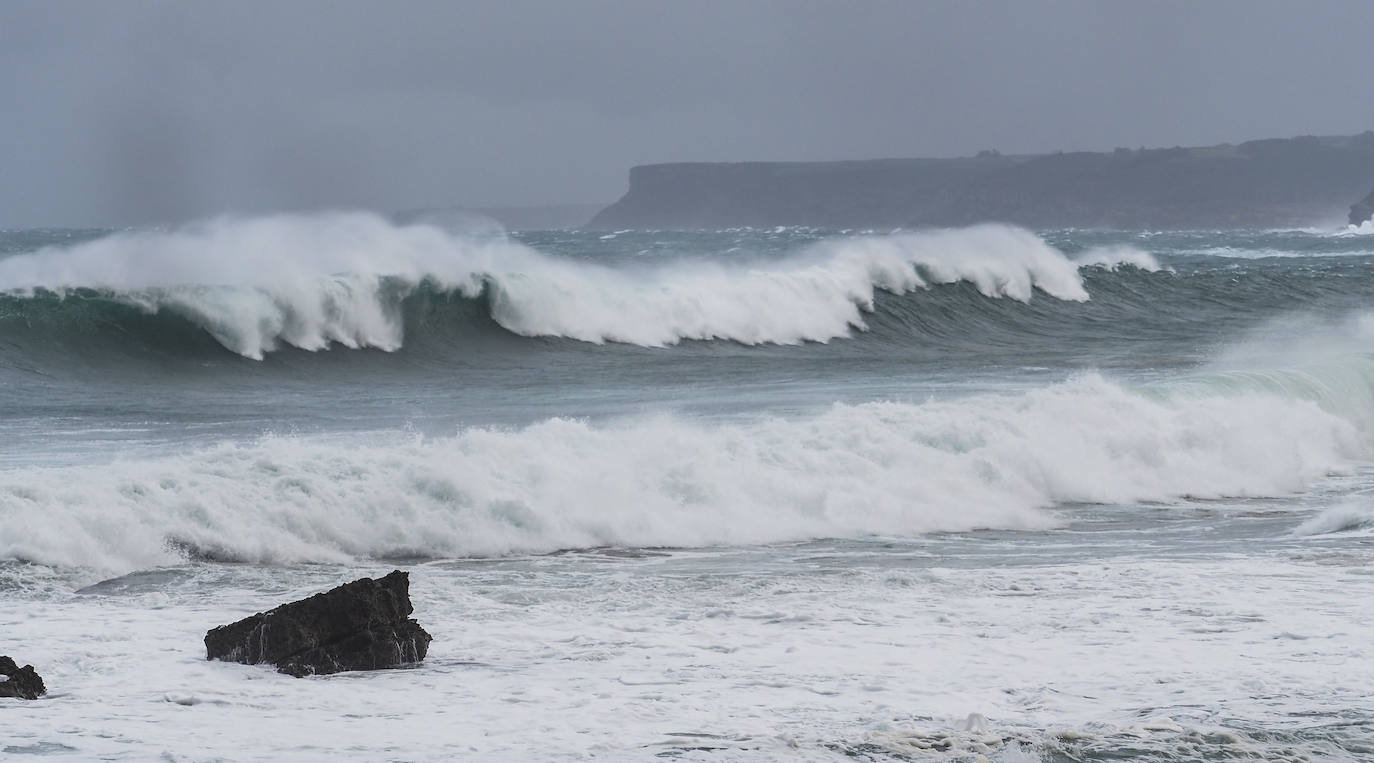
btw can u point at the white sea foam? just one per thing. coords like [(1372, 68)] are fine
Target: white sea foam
[(1113, 257), (1351, 515), (794, 655), (310, 282), (991, 461), (1264, 253)]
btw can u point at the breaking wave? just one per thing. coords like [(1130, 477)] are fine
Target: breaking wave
[(310, 282), (883, 468), (1352, 515)]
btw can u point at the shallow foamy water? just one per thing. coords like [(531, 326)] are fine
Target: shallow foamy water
[(1172, 633)]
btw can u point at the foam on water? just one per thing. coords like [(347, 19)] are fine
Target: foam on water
[(310, 282), (1153, 610), (1365, 228), (1114, 257), (1356, 514), (808, 654), (990, 461)]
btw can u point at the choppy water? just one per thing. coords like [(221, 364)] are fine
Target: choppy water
[(784, 494)]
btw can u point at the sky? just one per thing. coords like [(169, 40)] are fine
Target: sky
[(143, 111)]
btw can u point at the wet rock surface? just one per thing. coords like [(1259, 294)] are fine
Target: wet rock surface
[(22, 683), (362, 625)]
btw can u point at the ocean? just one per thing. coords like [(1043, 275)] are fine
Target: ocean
[(784, 494)]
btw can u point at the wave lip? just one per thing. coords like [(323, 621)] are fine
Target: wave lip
[(259, 283), (313, 282)]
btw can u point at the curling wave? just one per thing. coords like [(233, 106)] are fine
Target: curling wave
[(255, 285)]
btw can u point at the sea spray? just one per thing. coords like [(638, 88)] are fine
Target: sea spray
[(985, 461), (314, 281), (1178, 628), (1351, 515)]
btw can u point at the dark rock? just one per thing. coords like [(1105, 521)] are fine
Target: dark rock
[(363, 625), (1363, 212), (23, 682)]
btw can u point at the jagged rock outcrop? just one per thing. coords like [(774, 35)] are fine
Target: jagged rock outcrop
[(23, 683), (1363, 212), (1259, 184), (362, 625)]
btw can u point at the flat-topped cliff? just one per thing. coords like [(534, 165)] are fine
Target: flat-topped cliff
[(1258, 184)]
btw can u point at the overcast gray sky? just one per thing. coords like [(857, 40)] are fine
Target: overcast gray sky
[(158, 110)]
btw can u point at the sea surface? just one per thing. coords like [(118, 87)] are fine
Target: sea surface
[(773, 495)]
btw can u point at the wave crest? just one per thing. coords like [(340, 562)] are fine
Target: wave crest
[(311, 282)]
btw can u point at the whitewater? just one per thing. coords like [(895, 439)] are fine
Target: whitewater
[(783, 494), (309, 282)]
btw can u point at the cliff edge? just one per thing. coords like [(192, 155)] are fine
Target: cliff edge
[(1259, 184), (1363, 211)]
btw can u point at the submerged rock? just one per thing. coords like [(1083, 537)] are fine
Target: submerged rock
[(363, 625), (19, 682)]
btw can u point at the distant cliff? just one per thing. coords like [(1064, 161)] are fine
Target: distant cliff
[(1363, 211), (1259, 184)]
